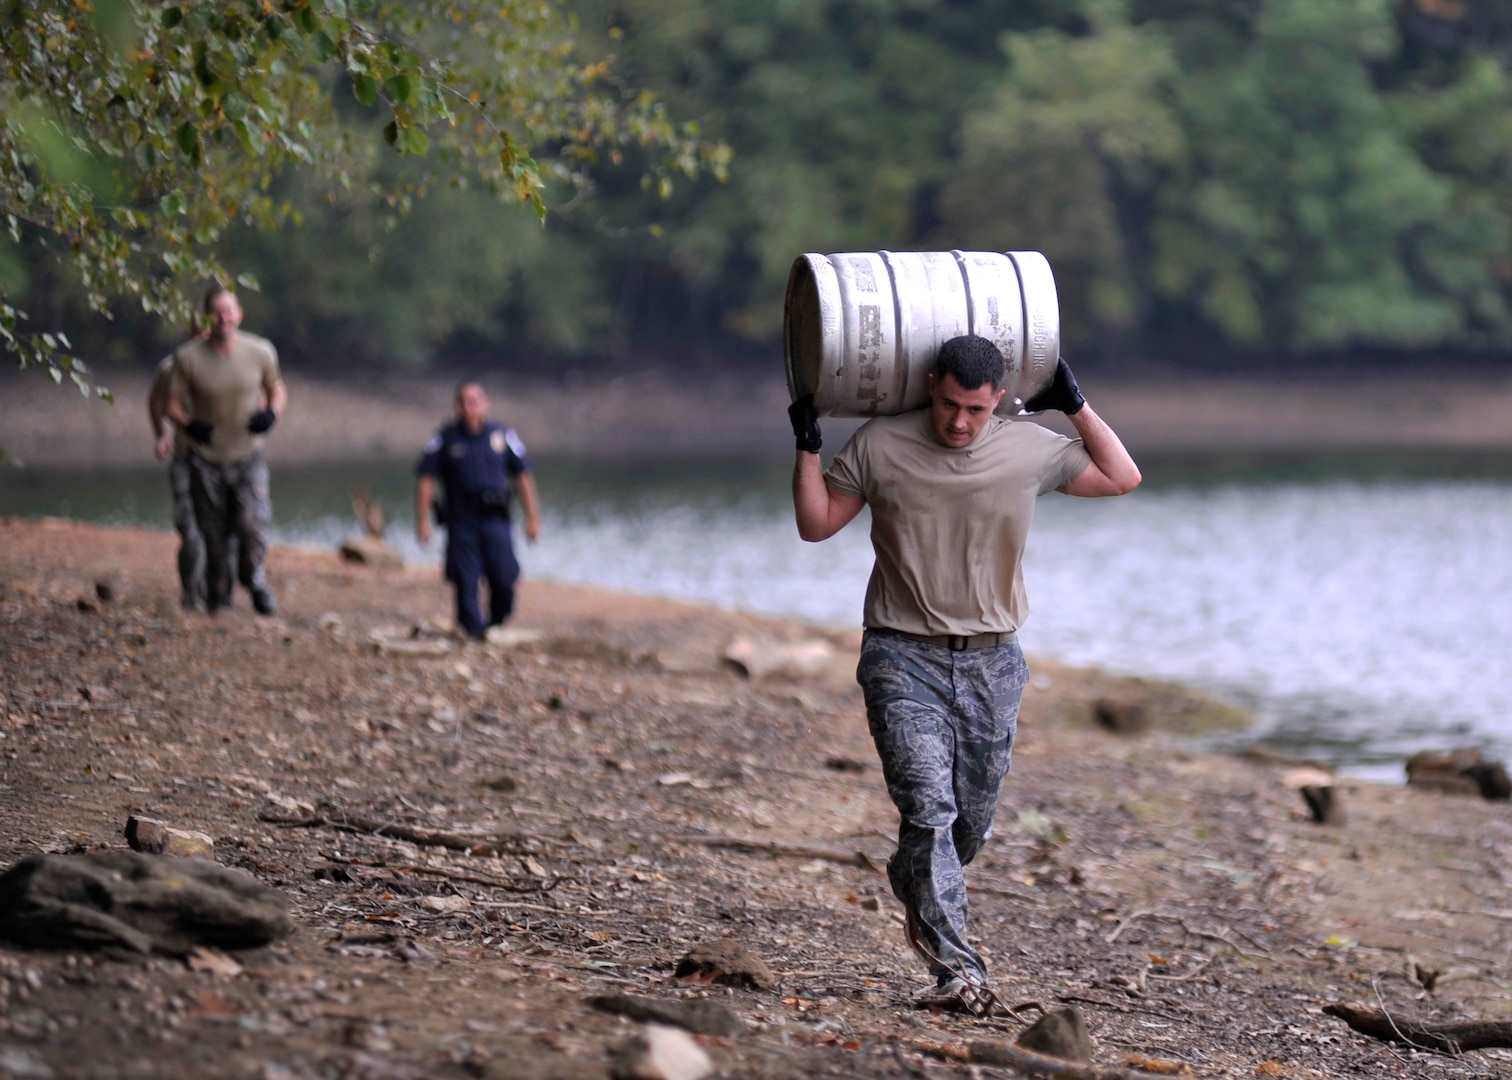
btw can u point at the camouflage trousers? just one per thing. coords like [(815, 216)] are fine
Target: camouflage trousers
[(231, 503), (191, 552), (943, 722)]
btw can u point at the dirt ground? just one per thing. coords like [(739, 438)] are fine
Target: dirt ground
[(643, 797)]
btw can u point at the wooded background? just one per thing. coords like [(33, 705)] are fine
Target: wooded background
[(1222, 184)]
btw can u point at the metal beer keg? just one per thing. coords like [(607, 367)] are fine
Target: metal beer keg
[(861, 329)]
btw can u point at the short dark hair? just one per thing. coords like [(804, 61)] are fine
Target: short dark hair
[(211, 293), (971, 361), (463, 383)]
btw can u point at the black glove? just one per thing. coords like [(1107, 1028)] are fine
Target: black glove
[(200, 431), (805, 420), (1062, 394), (262, 421)]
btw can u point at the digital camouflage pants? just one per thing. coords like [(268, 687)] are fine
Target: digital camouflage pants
[(943, 722), (191, 553), (231, 503)]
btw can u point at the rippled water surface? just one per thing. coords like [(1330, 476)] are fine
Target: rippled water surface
[(1362, 607)]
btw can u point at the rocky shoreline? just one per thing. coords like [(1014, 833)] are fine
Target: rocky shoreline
[(660, 414), (480, 846)]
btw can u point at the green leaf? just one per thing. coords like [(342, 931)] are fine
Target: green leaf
[(306, 19), (391, 132), (189, 141), (399, 89), (323, 46), (248, 281), (365, 89), (171, 17), (415, 141)]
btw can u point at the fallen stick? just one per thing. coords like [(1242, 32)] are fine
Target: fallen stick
[(1028, 1062), (1449, 1038), (472, 843), (771, 847)]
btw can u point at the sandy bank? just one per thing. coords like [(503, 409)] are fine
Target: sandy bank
[(641, 797)]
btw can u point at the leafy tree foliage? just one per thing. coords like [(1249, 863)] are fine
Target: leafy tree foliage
[(1257, 176), (135, 134)]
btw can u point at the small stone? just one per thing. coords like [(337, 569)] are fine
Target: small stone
[(104, 592), (1123, 717), (153, 837), (660, 1053), (725, 961), (1061, 1034), (502, 782), (446, 905)]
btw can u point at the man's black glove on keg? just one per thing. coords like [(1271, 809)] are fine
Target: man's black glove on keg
[(200, 431), (262, 421), (1062, 395), (805, 420)]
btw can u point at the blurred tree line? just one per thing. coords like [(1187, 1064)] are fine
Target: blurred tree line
[(1220, 181)]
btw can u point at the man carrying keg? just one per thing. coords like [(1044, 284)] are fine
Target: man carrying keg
[(952, 489)]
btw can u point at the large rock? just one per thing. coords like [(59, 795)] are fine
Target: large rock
[(760, 658), (369, 551), (139, 902)]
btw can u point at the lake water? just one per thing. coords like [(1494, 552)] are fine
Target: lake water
[(1362, 607)]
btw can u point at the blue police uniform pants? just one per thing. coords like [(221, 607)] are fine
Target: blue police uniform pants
[(943, 722), (480, 548)]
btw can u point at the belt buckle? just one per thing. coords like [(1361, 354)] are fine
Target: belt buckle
[(957, 642)]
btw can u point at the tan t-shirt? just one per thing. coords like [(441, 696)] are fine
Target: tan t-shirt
[(157, 401), (949, 525), (226, 390)]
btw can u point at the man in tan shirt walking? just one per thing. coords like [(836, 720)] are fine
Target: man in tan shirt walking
[(952, 489), (225, 394)]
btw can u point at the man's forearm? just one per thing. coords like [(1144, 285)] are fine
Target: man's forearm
[(175, 411), (424, 490), (1105, 448), (810, 496), (526, 485)]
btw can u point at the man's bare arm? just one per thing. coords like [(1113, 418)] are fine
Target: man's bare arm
[(425, 490), (278, 397), (821, 512), (525, 485), (1112, 471)]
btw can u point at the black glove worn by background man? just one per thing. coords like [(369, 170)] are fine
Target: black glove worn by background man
[(200, 431), (1062, 395), (262, 421), (805, 420)]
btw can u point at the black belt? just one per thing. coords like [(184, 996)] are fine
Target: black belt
[(958, 642)]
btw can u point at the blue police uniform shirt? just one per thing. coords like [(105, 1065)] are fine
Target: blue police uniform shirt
[(473, 467)]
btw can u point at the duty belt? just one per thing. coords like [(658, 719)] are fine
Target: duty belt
[(958, 642)]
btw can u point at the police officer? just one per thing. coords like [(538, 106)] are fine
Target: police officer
[(478, 462)]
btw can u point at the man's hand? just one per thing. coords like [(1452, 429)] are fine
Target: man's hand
[(200, 431), (1062, 395), (422, 531), (262, 421), (163, 448), (805, 420)]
